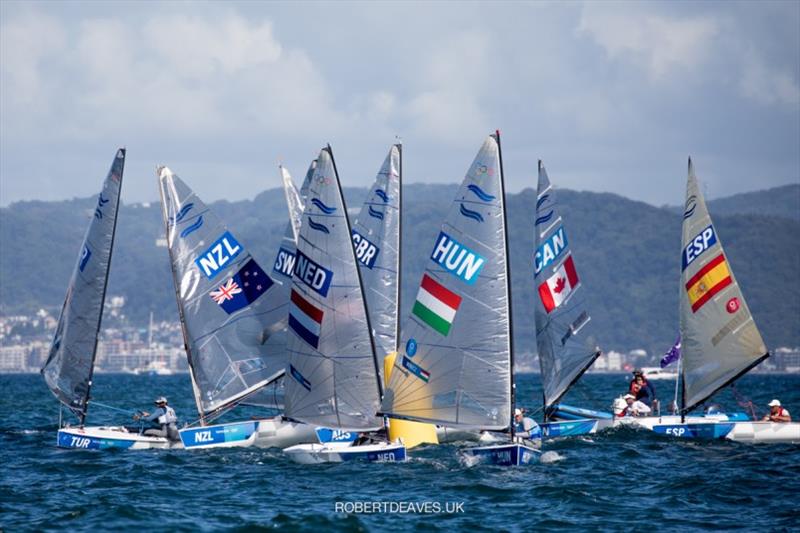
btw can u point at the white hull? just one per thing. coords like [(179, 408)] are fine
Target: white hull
[(717, 427), (101, 438), (765, 432), (309, 454), (281, 433)]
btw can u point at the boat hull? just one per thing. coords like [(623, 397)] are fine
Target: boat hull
[(765, 432), (230, 435), (569, 428), (504, 454), (103, 438), (340, 453)]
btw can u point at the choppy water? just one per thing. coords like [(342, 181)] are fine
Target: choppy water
[(624, 480)]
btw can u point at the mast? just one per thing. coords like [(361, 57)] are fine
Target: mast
[(103, 299), (176, 286), (399, 247), (513, 395), (358, 273)]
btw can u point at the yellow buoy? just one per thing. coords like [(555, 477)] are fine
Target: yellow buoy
[(412, 433)]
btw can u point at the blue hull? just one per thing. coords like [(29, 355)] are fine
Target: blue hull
[(570, 428), (568, 412), (221, 435), (709, 431), (504, 454), (385, 456), (88, 442)]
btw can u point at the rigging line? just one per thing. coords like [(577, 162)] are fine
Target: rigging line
[(111, 407)]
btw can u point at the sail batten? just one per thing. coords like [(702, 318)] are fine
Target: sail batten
[(719, 338), (69, 367), (564, 337), (332, 378), (232, 312), (454, 363)]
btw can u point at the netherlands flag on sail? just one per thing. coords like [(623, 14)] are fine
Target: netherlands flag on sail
[(436, 305), (305, 319), (557, 288)]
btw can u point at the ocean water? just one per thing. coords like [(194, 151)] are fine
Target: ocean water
[(622, 480)]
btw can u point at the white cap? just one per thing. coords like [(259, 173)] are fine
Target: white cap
[(517, 412), (774, 403), (631, 396)]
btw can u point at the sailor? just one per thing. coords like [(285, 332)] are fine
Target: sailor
[(525, 427), (165, 418), (642, 389), (777, 413), (635, 407)]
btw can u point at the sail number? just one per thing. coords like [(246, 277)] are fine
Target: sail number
[(80, 442), (385, 457), (366, 252), (203, 436), (219, 254), (676, 431)]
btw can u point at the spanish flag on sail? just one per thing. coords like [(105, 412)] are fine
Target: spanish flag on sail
[(708, 281)]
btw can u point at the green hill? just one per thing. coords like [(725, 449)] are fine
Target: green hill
[(626, 252)]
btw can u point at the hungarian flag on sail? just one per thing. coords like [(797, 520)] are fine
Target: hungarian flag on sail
[(305, 319), (557, 288), (708, 281), (436, 305)]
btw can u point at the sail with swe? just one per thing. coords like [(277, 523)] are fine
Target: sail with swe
[(70, 364), (332, 377), (232, 313), (564, 340), (720, 340), (454, 365), (376, 237)]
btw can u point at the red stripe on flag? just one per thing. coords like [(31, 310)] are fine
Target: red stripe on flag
[(711, 292), (572, 275), (314, 313), (449, 298), (705, 270), (546, 297)]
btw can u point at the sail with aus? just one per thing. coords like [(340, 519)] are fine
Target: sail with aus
[(332, 379), (454, 365), (232, 314), (70, 364)]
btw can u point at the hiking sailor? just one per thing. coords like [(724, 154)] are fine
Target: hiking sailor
[(165, 419), (525, 427)]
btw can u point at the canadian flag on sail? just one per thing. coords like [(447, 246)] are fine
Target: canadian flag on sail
[(559, 286)]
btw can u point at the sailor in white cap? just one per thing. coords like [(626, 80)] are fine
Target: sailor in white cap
[(777, 413), (165, 418), (635, 407)]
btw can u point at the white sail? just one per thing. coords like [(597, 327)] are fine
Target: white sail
[(719, 339), (454, 365), (376, 237), (232, 313), (332, 377), (564, 339), (70, 364)]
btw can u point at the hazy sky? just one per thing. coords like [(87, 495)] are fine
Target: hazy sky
[(613, 97)]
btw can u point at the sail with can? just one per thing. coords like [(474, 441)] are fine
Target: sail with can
[(564, 340), (332, 376), (376, 237), (232, 313), (70, 363), (454, 367), (720, 340)]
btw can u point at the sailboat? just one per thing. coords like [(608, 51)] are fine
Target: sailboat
[(332, 377), (69, 367), (564, 339), (232, 315), (719, 337), (456, 358)]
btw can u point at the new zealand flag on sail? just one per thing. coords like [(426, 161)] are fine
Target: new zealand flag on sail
[(243, 288)]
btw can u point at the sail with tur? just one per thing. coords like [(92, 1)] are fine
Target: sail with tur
[(376, 237), (455, 360), (720, 340), (70, 364), (564, 340), (232, 314), (332, 377)]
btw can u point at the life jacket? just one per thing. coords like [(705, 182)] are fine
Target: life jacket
[(169, 416)]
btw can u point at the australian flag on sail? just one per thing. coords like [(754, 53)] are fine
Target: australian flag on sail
[(243, 288), (673, 354)]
